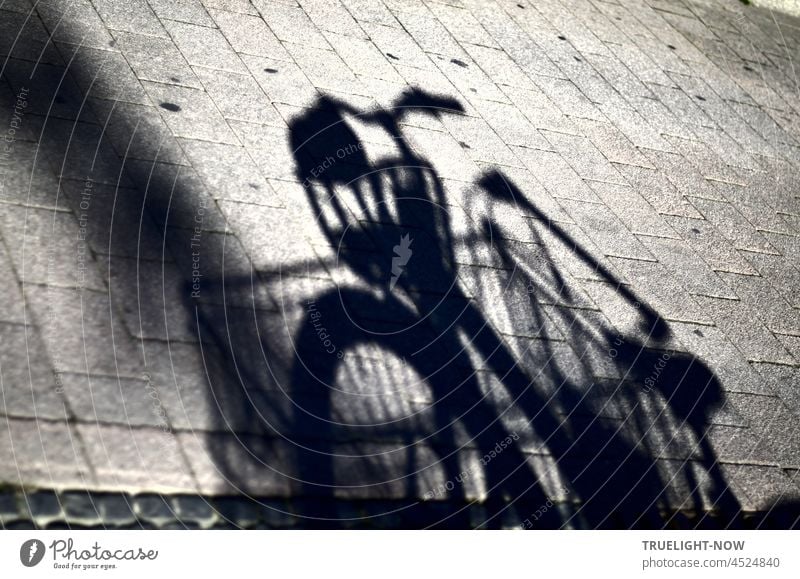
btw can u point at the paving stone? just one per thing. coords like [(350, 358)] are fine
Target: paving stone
[(553, 172), (736, 319), (584, 157), (479, 140), (363, 57), (782, 381), (194, 509), (26, 38), (290, 23), (43, 256), (763, 486), (710, 245), (612, 143), (187, 11), (325, 69), (115, 220), (190, 113), (785, 244), (79, 507), (606, 230), (657, 189), (153, 507), (695, 275), (137, 132), (9, 509), (31, 385), (53, 457), (114, 509), (86, 27), (791, 343), (714, 348), (661, 291), (469, 80), (249, 35), (203, 46), (118, 83), (282, 82), (12, 309), (155, 59), (568, 98), (239, 97), (635, 127), (63, 310), (43, 505), (135, 16), (332, 17), (146, 458), (429, 33), (662, 119), (760, 296)]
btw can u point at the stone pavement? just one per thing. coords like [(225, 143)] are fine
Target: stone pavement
[(399, 263)]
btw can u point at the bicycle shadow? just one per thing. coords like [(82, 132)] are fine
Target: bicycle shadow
[(524, 403)]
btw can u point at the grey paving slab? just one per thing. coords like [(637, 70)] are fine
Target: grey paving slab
[(31, 389), (291, 23), (155, 59), (26, 38), (711, 245), (146, 457), (632, 209), (43, 467), (325, 69), (42, 256), (188, 11), (332, 17), (135, 16), (203, 46), (66, 316), (239, 97), (584, 157), (249, 34), (87, 28), (230, 172), (113, 400), (556, 175), (363, 57), (606, 229), (754, 339), (665, 294), (189, 113)]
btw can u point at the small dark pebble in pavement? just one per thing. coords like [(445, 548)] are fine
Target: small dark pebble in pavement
[(170, 107), (460, 63)]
